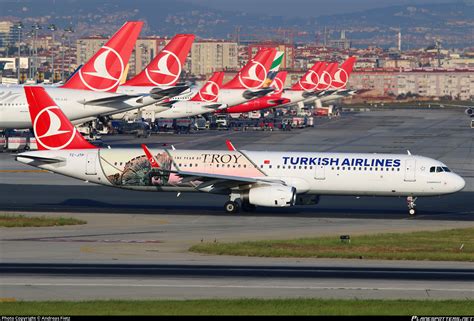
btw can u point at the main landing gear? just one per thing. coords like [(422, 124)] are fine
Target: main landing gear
[(235, 204), (411, 205)]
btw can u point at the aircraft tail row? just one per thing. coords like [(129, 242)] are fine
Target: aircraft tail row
[(323, 76)]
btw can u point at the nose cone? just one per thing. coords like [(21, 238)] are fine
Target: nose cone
[(458, 183)]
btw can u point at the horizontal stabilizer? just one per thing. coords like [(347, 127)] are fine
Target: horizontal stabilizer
[(160, 93), (251, 94)]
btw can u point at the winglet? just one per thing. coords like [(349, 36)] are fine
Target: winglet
[(151, 158), (230, 146)]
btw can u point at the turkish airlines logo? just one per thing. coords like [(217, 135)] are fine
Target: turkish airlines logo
[(278, 85), (167, 67), (253, 76), (48, 132), (310, 81), (325, 80), (106, 71), (340, 78), (210, 92)]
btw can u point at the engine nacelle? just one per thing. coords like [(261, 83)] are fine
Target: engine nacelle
[(469, 111), (272, 196)]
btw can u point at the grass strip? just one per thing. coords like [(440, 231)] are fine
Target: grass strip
[(242, 307), (444, 245), (13, 220)]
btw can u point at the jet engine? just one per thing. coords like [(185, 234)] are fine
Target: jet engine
[(272, 196)]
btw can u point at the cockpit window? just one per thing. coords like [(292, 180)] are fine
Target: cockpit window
[(439, 169)]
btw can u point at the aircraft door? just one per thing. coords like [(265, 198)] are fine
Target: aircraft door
[(320, 172), (410, 170), (91, 164)]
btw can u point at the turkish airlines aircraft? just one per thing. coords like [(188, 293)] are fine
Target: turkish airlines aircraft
[(272, 99), (249, 81), (250, 178), (90, 92), (161, 75), (204, 101)]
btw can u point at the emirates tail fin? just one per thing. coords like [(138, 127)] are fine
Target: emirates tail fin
[(165, 69), (104, 71), (52, 129)]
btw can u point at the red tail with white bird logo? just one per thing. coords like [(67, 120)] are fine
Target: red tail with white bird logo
[(166, 67), (210, 91), (254, 73), (52, 129), (341, 76), (310, 80), (104, 71), (278, 83)]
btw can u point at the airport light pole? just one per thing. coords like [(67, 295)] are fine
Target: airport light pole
[(69, 30), (63, 37), (35, 27), (19, 26), (53, 28)]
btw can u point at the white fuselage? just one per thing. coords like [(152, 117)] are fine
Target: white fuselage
[(14, 111), (309, 173)]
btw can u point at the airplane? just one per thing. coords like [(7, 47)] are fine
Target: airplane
[(204, 101), (199, 103), (160, 76), (249, 178), (188, 104), (90, 92), (273, 99), (249, 81)]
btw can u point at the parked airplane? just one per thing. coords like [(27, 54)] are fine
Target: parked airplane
[(249, 81), (250, 178), (90, 92), (273, 99), (160, 76), (204, 101)]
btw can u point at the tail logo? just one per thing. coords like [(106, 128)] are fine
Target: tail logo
[(278, 85), (210, 92), (252, 75), (310, 81), (103, 75), (47, 129), (167, 61), (340, 79), (325, 80)]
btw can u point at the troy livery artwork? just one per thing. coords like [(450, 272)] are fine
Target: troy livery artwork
[(137, 170)]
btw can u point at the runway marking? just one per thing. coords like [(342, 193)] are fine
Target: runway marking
[(23, 171), (207, 286)]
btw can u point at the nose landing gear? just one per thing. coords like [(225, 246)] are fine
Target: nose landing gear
[(411, 205)]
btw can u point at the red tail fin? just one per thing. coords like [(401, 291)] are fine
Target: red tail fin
[(210, 91), (151, 158), (254, 73), (104, 71), (325, 76), (279, 82), (310, 80), (51, 127), (341, 76), (166, 67)]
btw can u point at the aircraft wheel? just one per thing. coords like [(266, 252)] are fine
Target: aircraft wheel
[(231, 207), (412, 212)]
